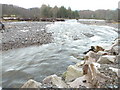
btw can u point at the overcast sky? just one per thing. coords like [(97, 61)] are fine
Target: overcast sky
[(74, 4)]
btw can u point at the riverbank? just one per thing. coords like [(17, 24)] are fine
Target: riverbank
[(98, 70), (100, 23), (24, 34), (71, 39)]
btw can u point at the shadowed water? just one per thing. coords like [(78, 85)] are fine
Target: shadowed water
[(71, 39)]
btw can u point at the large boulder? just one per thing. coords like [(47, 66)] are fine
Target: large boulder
[(114, 48), (55, 80), (107, 59), (91, 78), (81, 81), (73, 72), (31, 84)]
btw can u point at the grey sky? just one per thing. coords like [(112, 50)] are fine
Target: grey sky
[(74, 4)]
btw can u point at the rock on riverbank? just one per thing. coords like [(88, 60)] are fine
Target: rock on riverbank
[(90, 73)]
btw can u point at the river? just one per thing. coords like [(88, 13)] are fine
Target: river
[(71, 39)]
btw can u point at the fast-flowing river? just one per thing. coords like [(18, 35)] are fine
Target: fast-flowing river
[(71, 39)]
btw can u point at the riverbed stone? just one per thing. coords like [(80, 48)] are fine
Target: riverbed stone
[(73, 72), (115, 50), (107, 59), (31, 84), (81, 81), (55, 80), (116, 70)]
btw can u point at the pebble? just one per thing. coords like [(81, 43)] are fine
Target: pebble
[(15, 38)]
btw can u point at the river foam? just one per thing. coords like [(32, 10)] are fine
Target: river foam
[(71, 39)]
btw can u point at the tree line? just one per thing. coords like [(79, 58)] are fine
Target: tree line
[(55, 12), (45, 11), (100, 14)]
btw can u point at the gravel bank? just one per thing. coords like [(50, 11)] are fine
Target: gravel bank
[(113, 82), (23, 34), (101, 23)]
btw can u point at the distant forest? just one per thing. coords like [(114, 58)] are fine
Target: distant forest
[(45, 11)]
